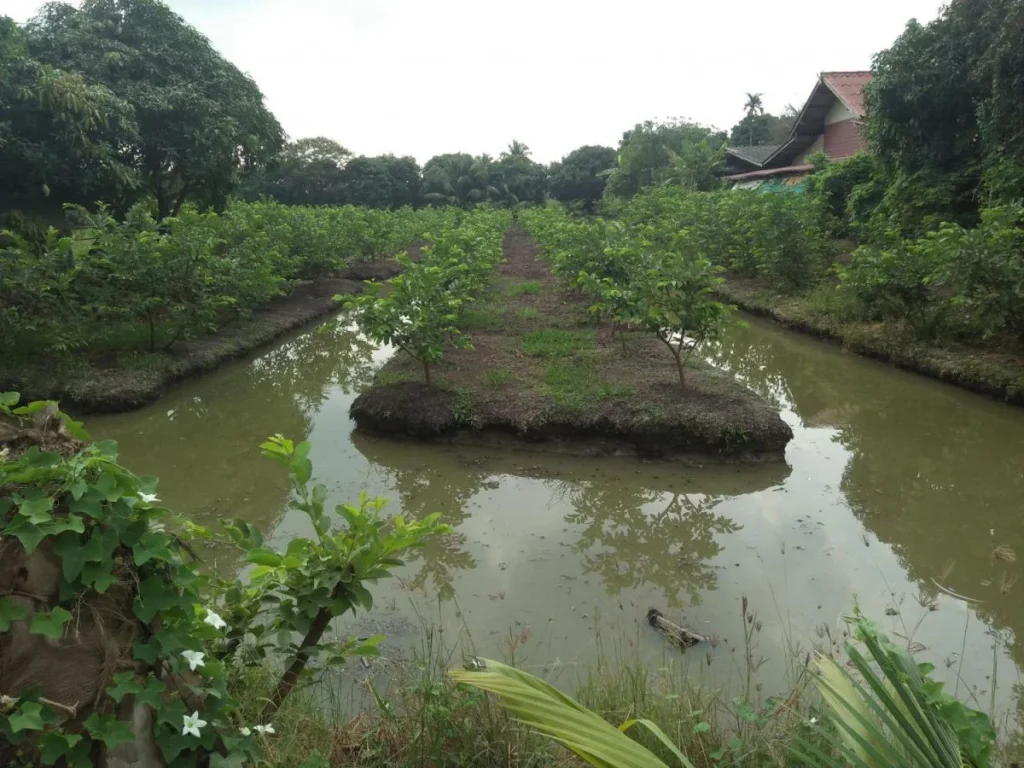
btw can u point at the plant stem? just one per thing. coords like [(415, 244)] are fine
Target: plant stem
[(291, 675), (426, 371)]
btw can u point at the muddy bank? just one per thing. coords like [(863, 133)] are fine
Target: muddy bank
[(94, 389), (714, 420), (539, 376), (996, 374)]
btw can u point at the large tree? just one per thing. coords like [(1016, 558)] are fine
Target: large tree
[(518, 178), (198, 119), (946, 106), (59, 135), (757, 128), (385, 181), (306, 172), (458, 179), (653, 153), (581, 175)]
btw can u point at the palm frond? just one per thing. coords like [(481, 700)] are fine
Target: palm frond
[(548, 710)]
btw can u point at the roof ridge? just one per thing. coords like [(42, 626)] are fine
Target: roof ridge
[(848, 72)]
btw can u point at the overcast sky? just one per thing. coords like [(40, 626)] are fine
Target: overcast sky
[(420, 77)]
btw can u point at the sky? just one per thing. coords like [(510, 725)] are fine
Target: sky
[(422, 77)]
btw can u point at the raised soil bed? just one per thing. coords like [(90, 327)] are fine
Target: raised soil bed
[(541, 375)]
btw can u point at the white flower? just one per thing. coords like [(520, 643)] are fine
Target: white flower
[(194, 659), (244, 731), (264, 729), (148, 498), (214, 620), (192, 724), (812, 721)]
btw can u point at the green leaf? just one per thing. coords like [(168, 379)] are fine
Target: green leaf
[(9, 399), (53, 746), (548, 710), (74, 553), (28, 717), (10, 610), (111, 730), (232, 760), (701, 727), (50, 624), (264, 556)]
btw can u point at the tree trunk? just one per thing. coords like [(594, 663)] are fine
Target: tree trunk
[(426, 372), (291, 676), (152, 334), (163, 202), (679, 366)]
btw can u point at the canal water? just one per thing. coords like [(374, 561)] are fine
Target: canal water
[(900, 495)]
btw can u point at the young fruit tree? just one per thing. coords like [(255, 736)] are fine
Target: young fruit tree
[(418, 315), (673, 299)]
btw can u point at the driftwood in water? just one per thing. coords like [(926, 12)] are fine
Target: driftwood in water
[(681, 636)]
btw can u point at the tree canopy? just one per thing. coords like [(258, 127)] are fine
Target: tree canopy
[(671, 152), (581, 175), (946, 106), (757, 128), (58, 133), (196, 118)]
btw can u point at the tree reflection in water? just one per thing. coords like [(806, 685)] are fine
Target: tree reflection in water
[(423, 489), (634, 536), (333, 356)]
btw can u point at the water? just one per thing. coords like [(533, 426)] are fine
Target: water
[(893, 486)]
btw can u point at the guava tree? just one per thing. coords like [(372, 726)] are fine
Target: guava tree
[(418, 315), (673, 297)]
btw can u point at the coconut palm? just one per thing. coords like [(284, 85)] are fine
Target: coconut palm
[(458, 180), (754, 108), (516, 149)]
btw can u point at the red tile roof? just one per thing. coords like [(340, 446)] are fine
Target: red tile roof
[(849, 87)]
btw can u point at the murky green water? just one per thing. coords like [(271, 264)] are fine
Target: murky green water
[(893, 485)]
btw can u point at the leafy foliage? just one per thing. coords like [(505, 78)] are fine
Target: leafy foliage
[(421, 310), (183, 277), (110, 535), (543, 707), (639, 275), (675, 152), (196, 119), (580, 176), (890, 712)]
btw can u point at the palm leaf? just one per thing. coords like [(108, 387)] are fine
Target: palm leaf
[(885, 717), (543, 707)]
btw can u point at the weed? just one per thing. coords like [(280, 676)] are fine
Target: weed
[(529, 288), (464, 407), (555, 343), (527, 314), (495, 377), (481, 319), (385, 377)]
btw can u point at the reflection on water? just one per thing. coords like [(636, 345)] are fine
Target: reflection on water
[(896, 492)]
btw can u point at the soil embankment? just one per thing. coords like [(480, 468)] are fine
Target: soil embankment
[(541, 374), (998, 374)]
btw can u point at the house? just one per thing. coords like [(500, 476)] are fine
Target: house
[(830, 121)]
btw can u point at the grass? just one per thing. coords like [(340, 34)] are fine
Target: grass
[(552, 343), (495, 377), (411, 713), (528, 288), (481, 319), (527, 314), (575, 385)]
